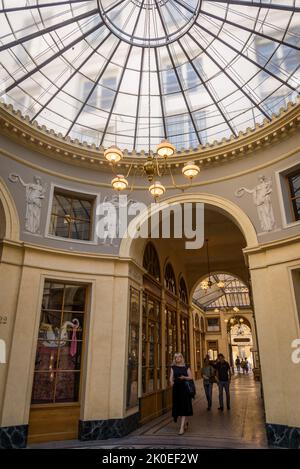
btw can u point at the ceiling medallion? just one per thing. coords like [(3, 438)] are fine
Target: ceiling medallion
[(151, 23)]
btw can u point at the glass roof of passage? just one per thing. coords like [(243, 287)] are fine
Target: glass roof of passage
[(211, 68)]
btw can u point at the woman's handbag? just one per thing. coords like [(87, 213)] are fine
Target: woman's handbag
[(190, 387)]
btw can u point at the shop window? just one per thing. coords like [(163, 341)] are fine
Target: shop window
[(183, 294), (60, 344), (170, 282), (151, 262), (197, 341), (184, 335), (212, 349), (151, 345), (71, 216), (213, 324), (133, 349), (171, 338)]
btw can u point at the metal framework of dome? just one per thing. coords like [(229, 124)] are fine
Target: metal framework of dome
[(135, 72)]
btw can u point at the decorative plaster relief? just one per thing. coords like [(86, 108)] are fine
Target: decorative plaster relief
[(262, 199), (113, 221), (35, 192)]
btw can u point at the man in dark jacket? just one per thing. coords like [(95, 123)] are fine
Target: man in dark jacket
[(224, 378)]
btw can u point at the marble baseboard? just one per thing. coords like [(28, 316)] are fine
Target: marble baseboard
[(104, 429), (282, 436), (13, 437)]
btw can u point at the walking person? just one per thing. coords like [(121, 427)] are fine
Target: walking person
[(208, 375), (238, 364), (224, 378), (182, 401), (243, 366), (246, 366)]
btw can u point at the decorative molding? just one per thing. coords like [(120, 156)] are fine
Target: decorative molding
[(45, 141), (136, 274), (272, 245), (207, 182)]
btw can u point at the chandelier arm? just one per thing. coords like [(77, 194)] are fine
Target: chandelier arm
[(181, 187), (133, 179), (129, 170), (113, 168), (159, 174)]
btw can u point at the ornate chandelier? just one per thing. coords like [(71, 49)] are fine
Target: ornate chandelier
[(155, 166), (151, 169)]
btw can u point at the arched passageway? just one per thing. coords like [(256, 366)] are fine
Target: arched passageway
[(171, 319)]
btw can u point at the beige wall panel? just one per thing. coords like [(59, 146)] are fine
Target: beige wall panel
[(10, 275), (277, 328), (18, 385)]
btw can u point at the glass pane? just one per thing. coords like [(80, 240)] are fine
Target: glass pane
[(80, 230), (70, 355), (50, 321), (295, 185), (61, 205), (43, 388), (81, 209), (53, 296), (74, 298), (59, 226), (46, 355), (144, 372), (296, 204), (133, 350), (70, 320), (67, 387), (158, 372), (151, 380)]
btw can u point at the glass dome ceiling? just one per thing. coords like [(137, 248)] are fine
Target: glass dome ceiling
[(211, 68)]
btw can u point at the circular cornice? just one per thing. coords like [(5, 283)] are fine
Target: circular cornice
[(35, 137)]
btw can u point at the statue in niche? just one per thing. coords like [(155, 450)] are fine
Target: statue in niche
[(262, 199), (35, 193)]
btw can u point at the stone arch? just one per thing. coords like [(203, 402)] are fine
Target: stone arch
[(232, 210), (195, 285)]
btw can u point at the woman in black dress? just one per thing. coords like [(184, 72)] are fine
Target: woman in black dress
[(182, 402)]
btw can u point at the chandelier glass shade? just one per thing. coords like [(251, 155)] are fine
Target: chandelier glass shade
[(119, 183), (150, 169), (165, 149), (113, 154), (190, 170), (157, 189)]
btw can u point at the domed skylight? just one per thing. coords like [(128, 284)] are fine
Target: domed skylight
[(82, 67)]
